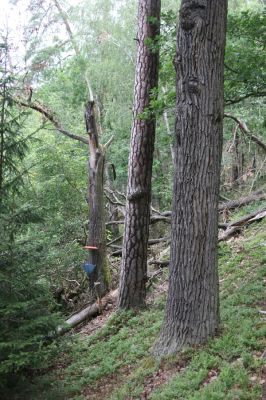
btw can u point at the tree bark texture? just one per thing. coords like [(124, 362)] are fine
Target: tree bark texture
[(192, 309), (97, 231), (132, 291), (235, 173)]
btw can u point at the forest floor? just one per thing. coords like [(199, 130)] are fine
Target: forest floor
[(110, 359)]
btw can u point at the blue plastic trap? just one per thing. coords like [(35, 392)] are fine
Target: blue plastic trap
[(89, 268)]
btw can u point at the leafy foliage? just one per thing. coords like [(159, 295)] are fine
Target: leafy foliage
[(43, 208), (25, 301), (245, 74)]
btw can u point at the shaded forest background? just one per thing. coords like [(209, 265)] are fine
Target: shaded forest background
[(44, 173)]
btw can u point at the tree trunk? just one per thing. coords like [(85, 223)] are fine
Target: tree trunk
[(97, 231), (2, 131), (235, 160), (192, 309), (132, 291), (112, 208), (2, 127)]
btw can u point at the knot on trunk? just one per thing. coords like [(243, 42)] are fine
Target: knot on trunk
[(193, 85), (136, 194), (191, 12)]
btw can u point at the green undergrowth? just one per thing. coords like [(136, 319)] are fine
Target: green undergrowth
[(228, 367)]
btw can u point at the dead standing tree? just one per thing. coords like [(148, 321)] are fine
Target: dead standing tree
[(97, 228), (96, 165), (95, 197)]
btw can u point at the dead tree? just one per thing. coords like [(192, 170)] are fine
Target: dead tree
[(97, 230)]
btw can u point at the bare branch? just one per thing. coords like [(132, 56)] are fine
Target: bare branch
[(40, 108), (71, 36), (108, 143), (241, 98), (243, 127)]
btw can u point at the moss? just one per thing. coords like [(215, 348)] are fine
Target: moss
[(121, 348)]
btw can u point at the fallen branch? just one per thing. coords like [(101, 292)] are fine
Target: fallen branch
[(152, 276), (158, 218), (161, 263), (117, 253), (151, 242), (243, 201), (232, 229), (165, 216), (115, 240), (120, 222), (159, 240), (88, 312), (236, 226)]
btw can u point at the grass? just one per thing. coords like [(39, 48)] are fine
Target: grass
[(229, 367)]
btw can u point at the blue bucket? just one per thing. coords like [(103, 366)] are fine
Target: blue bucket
[(89, 268)]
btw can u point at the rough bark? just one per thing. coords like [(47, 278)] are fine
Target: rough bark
[(132, 291), (2, 131), (97, 232), (192, 309), (235, 173)]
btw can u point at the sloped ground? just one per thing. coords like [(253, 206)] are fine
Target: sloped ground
[(114, 362)]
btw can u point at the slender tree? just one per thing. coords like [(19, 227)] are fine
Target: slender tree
[(134, 259), (192, 309)]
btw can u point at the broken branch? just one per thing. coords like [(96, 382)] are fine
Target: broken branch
[(243, 127), (50, 117)]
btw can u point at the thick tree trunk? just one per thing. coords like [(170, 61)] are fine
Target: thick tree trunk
[(132, 291), (192, 310), (97, 231)]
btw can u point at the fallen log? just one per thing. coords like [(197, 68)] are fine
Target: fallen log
[(158, 218), (88, 312), (254, 216), (232, 229), (161, 263), (226, 205), (235, 227), (96, 308), (243, 201), (116, 253), (150, 243)]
